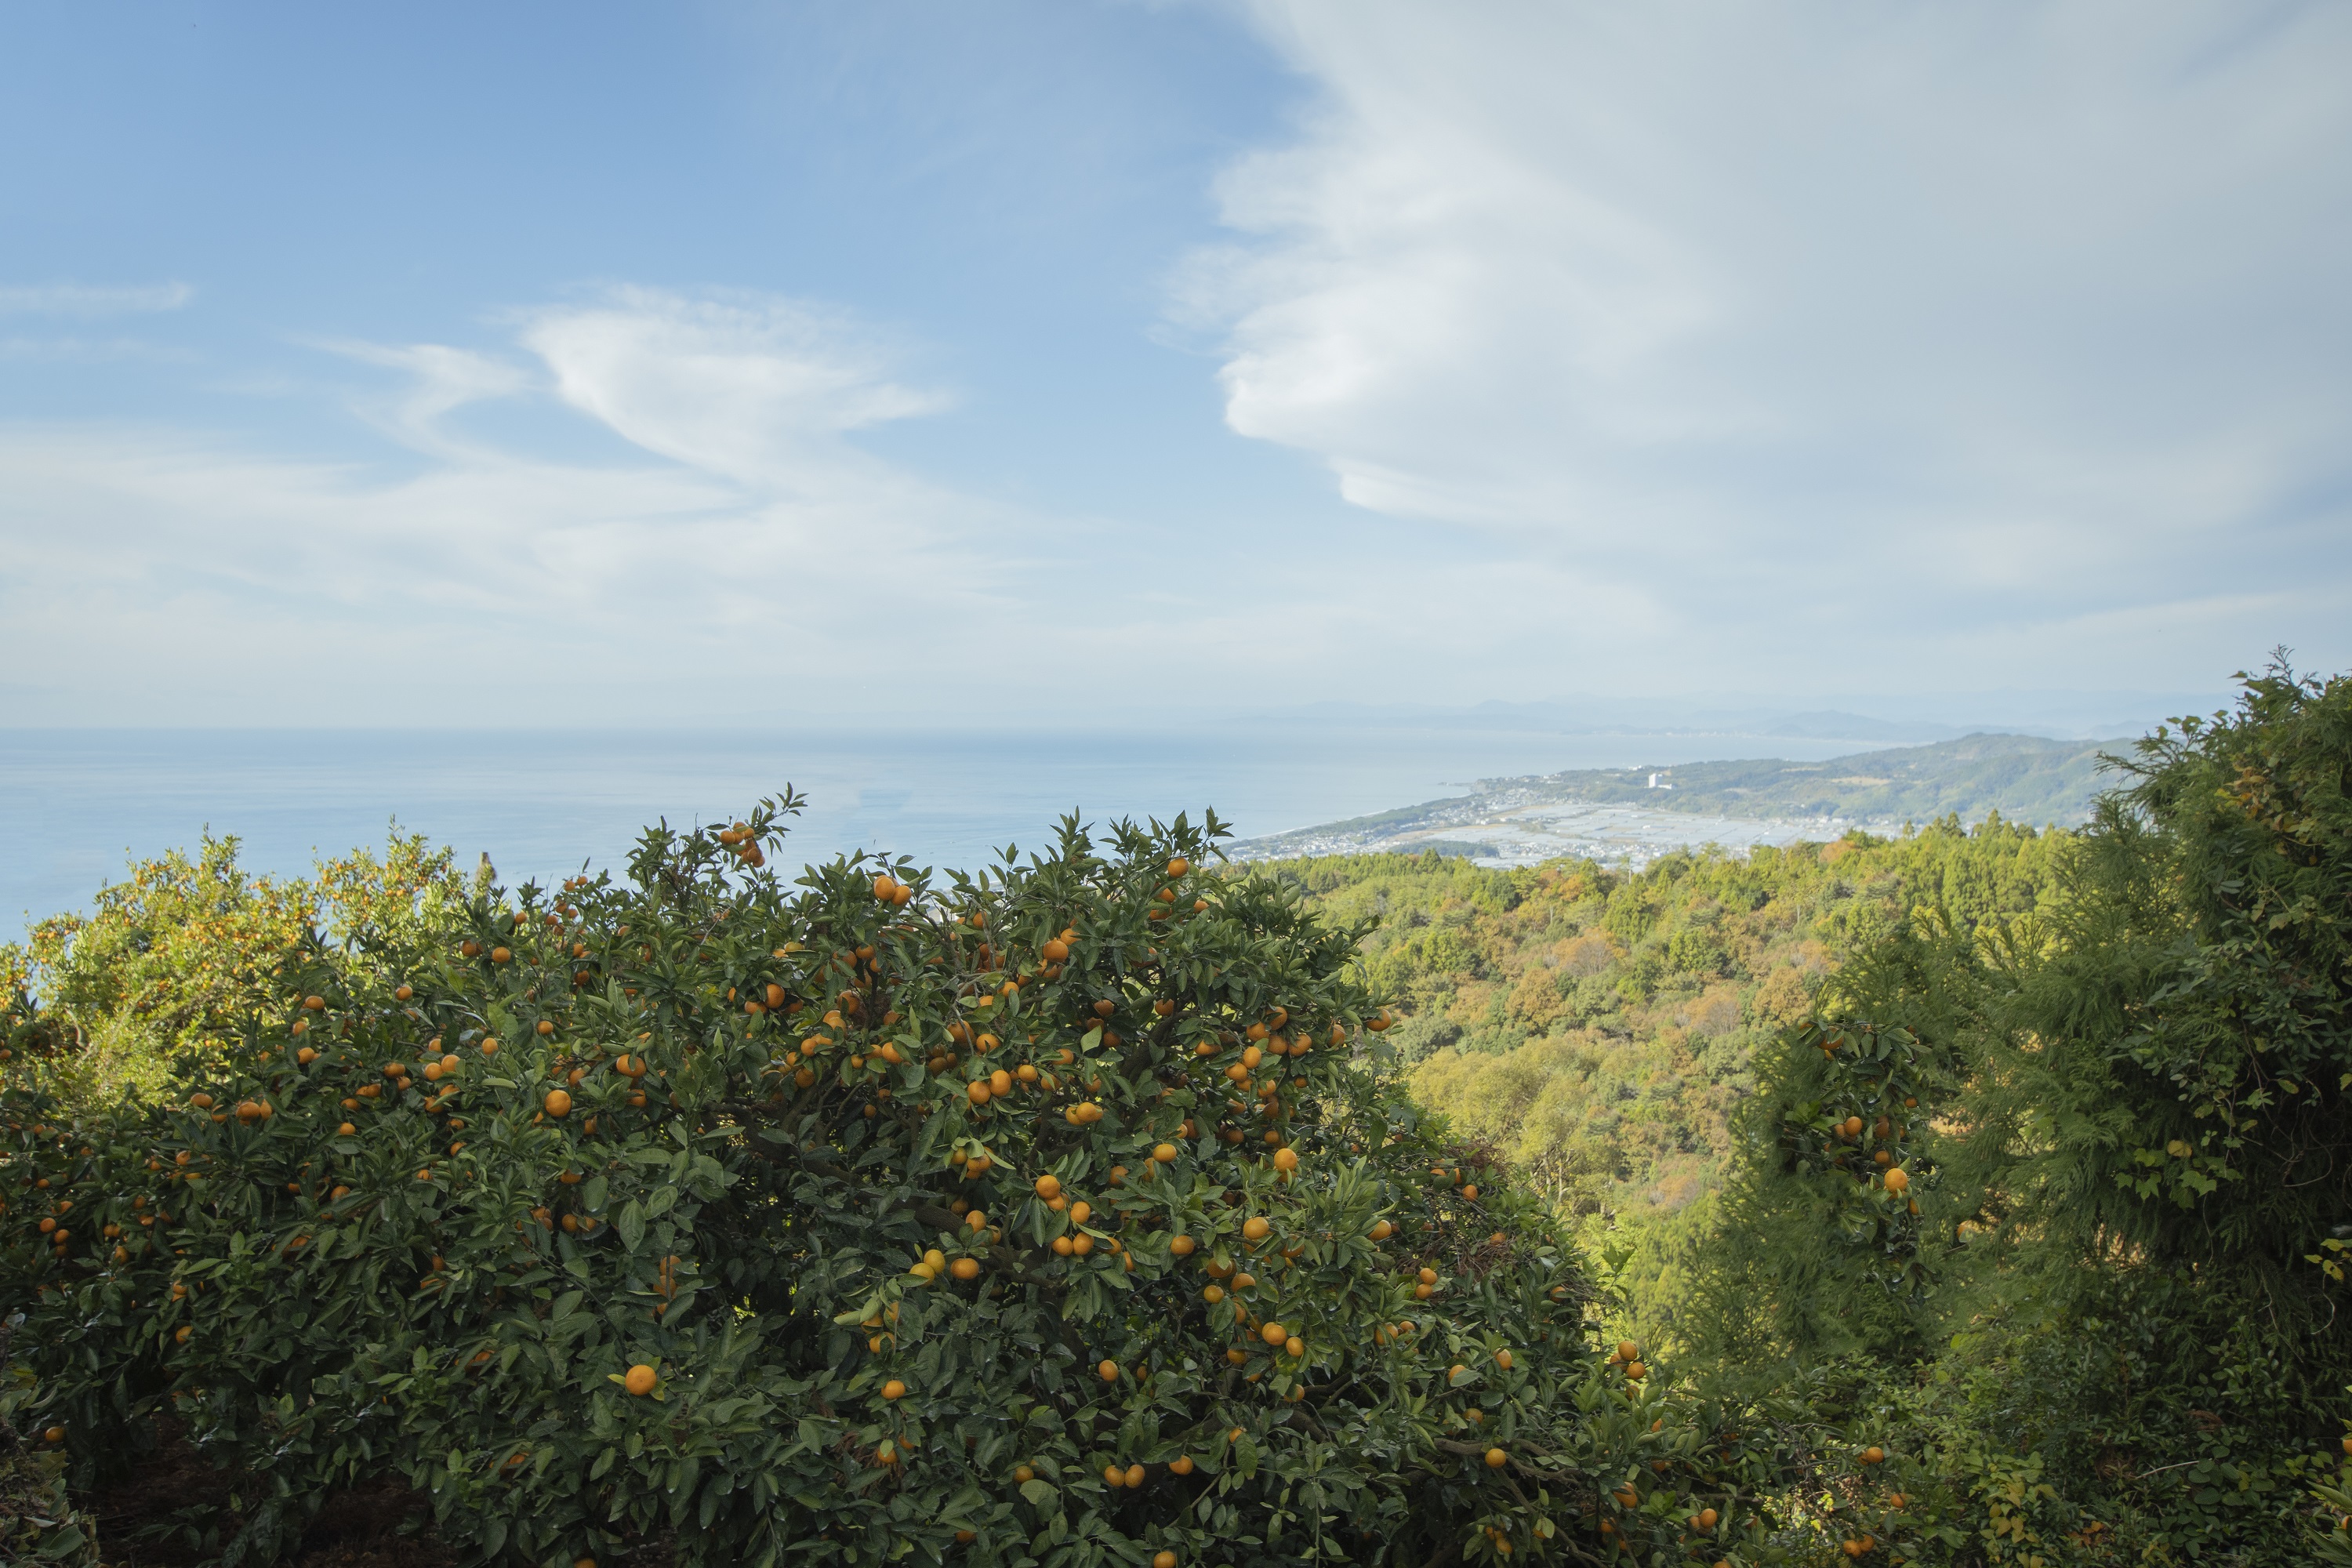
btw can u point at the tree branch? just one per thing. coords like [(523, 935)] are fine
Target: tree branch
[(1472, 1451)]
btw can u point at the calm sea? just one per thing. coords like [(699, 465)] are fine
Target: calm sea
[(76, 805)]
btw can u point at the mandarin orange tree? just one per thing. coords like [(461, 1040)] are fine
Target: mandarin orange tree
[(1862, 1131), (38, 1521), (1055, 1213)]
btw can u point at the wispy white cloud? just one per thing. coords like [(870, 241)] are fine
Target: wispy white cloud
[(441, 380), (91, 351), (2029, 315), (729, 554), (92, 300), (744, 522), (758, 389)]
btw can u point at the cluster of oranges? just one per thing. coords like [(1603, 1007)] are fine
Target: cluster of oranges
[(743, 841)]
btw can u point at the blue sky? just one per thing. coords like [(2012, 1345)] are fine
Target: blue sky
[(590, 363)]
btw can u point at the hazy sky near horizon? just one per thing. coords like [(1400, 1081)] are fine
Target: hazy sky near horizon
[(591, 363)]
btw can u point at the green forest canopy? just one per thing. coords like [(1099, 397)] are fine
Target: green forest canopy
[(1597, 1027)]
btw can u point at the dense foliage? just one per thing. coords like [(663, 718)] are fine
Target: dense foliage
[(2104, 1306), (180, 954), (2110, 1308), (1600, 1030), (1055, 1214), (38, 1520)]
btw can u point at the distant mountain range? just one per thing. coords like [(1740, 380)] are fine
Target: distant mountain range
[(2023, 777), (1637, 813)]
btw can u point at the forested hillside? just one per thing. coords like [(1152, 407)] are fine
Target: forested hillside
[(1598, 1029), (2028, 1153), (1618, 813), (2021, 776)]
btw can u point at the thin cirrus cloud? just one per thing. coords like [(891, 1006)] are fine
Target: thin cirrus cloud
[(2032, 314), (440, 381), (721, 528), (711, 535), (85, 299), (40, 307), (757, 389)]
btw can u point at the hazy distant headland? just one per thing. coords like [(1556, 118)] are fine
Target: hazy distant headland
[(75, 802), (1639, 813)]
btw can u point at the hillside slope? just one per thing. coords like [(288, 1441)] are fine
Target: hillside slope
[(2022, 777), (1632, 816), (1596, 1025)]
